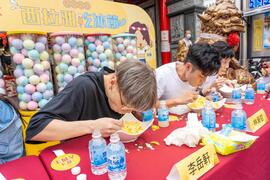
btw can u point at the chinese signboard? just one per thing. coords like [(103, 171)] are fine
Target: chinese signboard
[(65, 162), (198, 163), (257, 120), (84, 16), (258, 3)]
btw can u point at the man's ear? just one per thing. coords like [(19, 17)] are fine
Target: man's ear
[(113, 80), (188, 67)]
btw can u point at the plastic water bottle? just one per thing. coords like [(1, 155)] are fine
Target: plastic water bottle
[(147, 115), (239, 118), (226, 129), (209, 117), (97, 152), (236, 95), (260, 86), (163, 115), (249, 95), (214, 95), (117, 168)]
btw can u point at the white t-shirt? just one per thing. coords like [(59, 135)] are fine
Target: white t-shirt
[(209, 81), (169, 85)]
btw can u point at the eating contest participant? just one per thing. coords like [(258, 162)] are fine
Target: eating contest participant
[(95, 101), (177, 82), (217, 81)]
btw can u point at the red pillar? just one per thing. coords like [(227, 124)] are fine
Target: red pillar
[(165, 32)]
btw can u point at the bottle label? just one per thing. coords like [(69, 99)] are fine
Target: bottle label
[(98, 156), (147, 115), (261, 86), (163, 115), (249, 95), (236, 94), (116, 163), (209, 120), (239, 122)]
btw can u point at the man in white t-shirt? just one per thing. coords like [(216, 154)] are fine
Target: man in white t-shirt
[(216, 81), (177, 82)]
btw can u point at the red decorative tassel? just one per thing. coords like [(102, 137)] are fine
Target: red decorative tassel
[(233, 39), (4, 38)]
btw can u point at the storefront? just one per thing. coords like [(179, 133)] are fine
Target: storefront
[(183, 16), (257, 38)]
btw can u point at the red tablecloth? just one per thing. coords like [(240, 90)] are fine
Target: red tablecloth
[(156, 164), (28, 168)]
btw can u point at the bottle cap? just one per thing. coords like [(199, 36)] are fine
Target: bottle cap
[(238, 106), (114, 138), (162, 103), (81, 177), (96, 133), (76, 170), (208, 104)]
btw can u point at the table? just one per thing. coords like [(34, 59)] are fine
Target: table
[(156, 164), (29, 167)]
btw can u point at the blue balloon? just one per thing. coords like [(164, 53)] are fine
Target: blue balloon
[(20, 89), (37, 96), (63, 67), (102, 57), (118, 56), (33, 54), (72, 41), (106, 45), (92, 47), (42, 103), (13, 50), (17, 43), (49, 86), (104, 63), (103, 38)]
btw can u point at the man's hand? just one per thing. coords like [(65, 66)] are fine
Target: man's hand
[(187, 97), (107, 126)]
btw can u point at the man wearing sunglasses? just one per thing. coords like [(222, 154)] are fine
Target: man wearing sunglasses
[(95, 101)]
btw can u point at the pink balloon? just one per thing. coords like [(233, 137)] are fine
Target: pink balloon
[(98, 42), (74, 53), (57, 58), (24, 52), (32, 105), (91, 38), (66, 59), (46, 65), (44, 78), (75, 62), (30, 89), (17, 58)]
